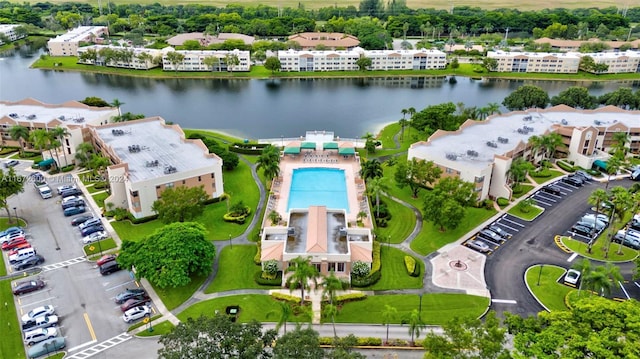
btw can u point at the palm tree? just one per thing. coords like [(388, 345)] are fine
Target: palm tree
[(53, 144), (412, 112), (403, 124), (331, 285), (603, 278), (330, 310), (375, 187), (274, 217), (613, 166), (269, 162), (551, 142), (389, 315), (536, 145), (59, 133), (117, 104), (20, 134), (83, 153), (285, 314), (621, 201), (493, 107), (415, 325), (231, 60), (39, 138), (584, 267), (621, 139), (596, 198), (301, 271), (99, 163), (371, 169)]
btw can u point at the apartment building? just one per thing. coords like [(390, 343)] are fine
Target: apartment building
[(148, 156), (574, 45), (67, 44), (73, 116), (292, 60), (481, 152), (565, 63), (618, 62), (9, 31), (194, 60), (330, 40), (120, 56), (206, 39)]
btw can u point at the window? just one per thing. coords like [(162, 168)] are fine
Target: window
[(134, 194), (332, 267), (318, 266), (199, 178), (340, 267), (169, 185), (184, 182)]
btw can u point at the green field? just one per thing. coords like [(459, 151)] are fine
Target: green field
[(549, 291)]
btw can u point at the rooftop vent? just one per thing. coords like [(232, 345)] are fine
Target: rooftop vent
[(153, 163), (492, 144), (451, 156), (61, 118), (472, 153), (134, 148), (564, 122), (13, 115), (597, 122), (31, 117), (503, 140), (117, 132), (79, 119), (291, 231), (527, 118), (170, 169)]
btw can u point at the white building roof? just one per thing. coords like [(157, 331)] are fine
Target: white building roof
[(154, 141), (451, 148), (534, 55), (613, 55), (71, 112), (78, 34)]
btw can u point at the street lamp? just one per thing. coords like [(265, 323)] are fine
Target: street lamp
[(230, 243), (15, 211), (149, 321), (420, 308)]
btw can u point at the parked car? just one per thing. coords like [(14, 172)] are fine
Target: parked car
[(137, 293), (499, 231), (22, 254), (13, 243), (28, 286), (29, 262), (572, 181), (94, 237), (601, 217), (46, 347), (634, 225), (136, 313), (44, 321), (63, 188), (37, 335), (79, 220), (584, 175), (18, 247), (492, 236), (593, 222), (70, 192), (555, 190), (106, 258), (582, 230), (90, 222), (11, 163), (38, 312), (72, 211), (109, 267), (626, 240), (628, 234), (13, 235), (478, 245), (74, 203), (71, 198), (92, 229), (134, 302), (572, 276)]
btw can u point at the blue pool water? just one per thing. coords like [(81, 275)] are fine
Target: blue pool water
[(318, 187)]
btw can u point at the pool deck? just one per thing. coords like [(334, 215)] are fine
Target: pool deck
[(356, 198)]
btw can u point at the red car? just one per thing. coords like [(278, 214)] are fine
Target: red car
[(19, 247), (28, 286), (13, 243), (106, 258)]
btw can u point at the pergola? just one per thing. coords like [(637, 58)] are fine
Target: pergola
[(330, 146)]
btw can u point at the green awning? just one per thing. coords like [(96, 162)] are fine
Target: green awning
[(291, 150), (308, 145), (347, 151), (45, 163), (601, 164), (330, 146)]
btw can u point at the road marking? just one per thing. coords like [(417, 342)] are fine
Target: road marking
[(109, 343), (624, 290), (573, 256), (558, 241), (39, 301), (504, 301), (63, 264), (86, 319), (511, 228), (516, 223), (81, 346), (118, 286), (543, 203), (545, 197)]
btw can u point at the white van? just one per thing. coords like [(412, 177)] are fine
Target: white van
[(45, 192), (22, 254)]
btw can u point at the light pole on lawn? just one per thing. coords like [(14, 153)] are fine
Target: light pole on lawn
[(540, 274), (230, 243), (15, 212), (420, 307)]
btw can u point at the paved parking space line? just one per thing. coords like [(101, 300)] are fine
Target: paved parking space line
[(511, 228), (572, 257), (546, 197), (118, 286), (37, 301), (504, 301), (637, 284), (624, 290), (89, 326), (573, 234), (542, 203), (516, 223)]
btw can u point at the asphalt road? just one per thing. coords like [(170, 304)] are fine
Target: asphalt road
[(534, 244)]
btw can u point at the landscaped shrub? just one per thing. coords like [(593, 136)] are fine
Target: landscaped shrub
[(256, 258), (360, 269), (271, 267), (6, 150), (412, 268), (369, 341), (276, 280), (285, 297), (68, 168), (238, 213), (101, 185), (351, 297), (216, 200), (502, 202), (544, 173), (376, 264), (566, 166), (371, 279)]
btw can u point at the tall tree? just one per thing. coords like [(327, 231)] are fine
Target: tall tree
[(117, 104), (389, 315), (301, 271), (39, 138), (370, 169), (596, 198), (375, 188), (20, 134), (621, 139), (584, 267), (272, 64), (285, 314), (212, 62), (180, 204), (364, 63), (217, 337), (59, 133), (99, 163), (416, 174), (445, 204), (231, 60), (171, 255), (303, 343), (576, 97), (519, 170), (10, 184), (175, 59), (525, 97), (416, 325), (83, 153), (269, 162)]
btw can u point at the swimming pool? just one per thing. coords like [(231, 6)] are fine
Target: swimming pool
[(318, 187)]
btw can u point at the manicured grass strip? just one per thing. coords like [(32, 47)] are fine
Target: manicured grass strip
[(162, 328), (173, 297), (262, 308), (142, 322), (135, 232), (387, 134), (394, 272), (527, 216), (11, 346), (236, 270), (96, 247), (554, 174), (598, 250), (550, 293), (437, 308), (218, 136), (401, 224), (431, 239), (99, 198), (521, 190)]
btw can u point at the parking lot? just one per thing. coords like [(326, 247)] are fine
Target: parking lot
[(81, 296)]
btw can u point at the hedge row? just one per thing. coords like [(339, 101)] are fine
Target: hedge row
[(502, 202), (285, 297), (412, 268), (545, 173), (277, 281), (6, 150), (258, 256), (248, 148), (228, 217), (364, 341), (375, 273), (351, 297), (566, 166)]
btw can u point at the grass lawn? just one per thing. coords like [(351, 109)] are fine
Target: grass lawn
[(218, 136), (401, 224), (521, 190), (99, 198), (236, 270), (430, 238), (534, 212), (173, 297), (549, 292), (541, 180), (437, 308), (394, 272), (142, 322), (12, 346), (598, 250), (262, 308), (161, 328), (104, 245)]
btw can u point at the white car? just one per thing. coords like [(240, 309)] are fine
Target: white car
[(37, 335), (136, 313), (94, 237), (11, 236), (572, 276), (478, 245), (71, 198), (37, 312)]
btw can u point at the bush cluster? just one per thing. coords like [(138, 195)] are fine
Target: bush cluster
[(237, 217), (382, 215), (412, 267), (351, 297), (375, 273), (285, 297), (256, 258), (230, 160), (260, 278), (566, 166), (502, 202), (544, 173)]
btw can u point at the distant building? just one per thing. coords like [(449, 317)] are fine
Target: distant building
[(194, 60), (332, 40), (574, 45), (9, 30), (68, 44), (565, 63), (138, 58), (149, 156), (618, 62), (74, 116), (206, 39), (481, 152), (292, 60)]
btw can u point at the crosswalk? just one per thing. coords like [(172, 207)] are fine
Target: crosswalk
[(63, 264), (109, 343)]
